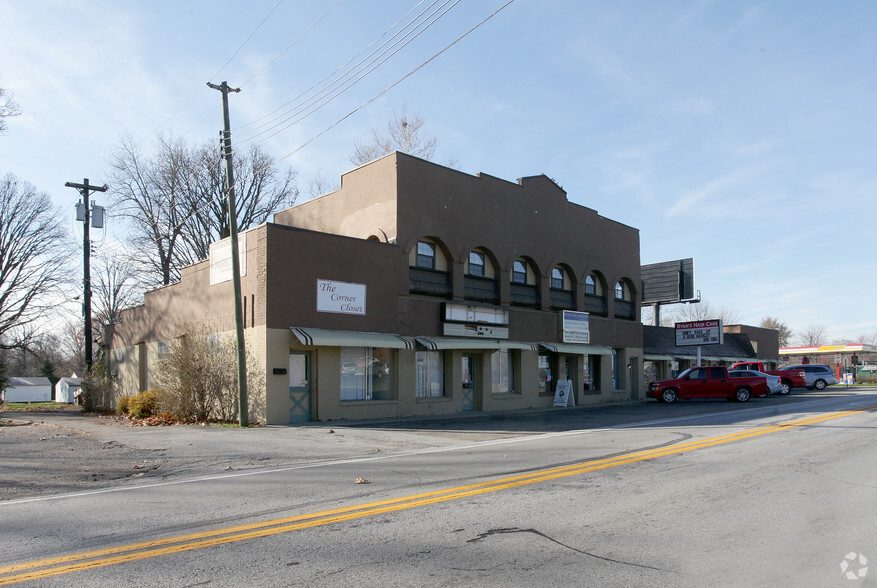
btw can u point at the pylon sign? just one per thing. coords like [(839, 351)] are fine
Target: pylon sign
[(699, 333)]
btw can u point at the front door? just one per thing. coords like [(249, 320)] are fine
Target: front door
[(300, 386), (470, 382)]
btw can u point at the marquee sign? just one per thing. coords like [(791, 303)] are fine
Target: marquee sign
[(699, 333)]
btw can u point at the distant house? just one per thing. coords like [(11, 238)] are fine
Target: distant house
[(67, 389), (28, 390)]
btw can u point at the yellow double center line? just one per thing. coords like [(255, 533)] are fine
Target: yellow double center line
[(137, 551)]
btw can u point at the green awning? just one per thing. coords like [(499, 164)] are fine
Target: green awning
[(329, 338), (653, 357), (571, 348), (440, 343)]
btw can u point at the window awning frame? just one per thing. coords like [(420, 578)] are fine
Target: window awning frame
[(573, 349), (331, 338), (442, 343)]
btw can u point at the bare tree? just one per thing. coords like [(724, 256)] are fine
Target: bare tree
[(403, 134), (176, 200), (34, 256), (812, 336), (261, 189), (320, 184), (150, 193), (8, 108), (72, 344), (115, 289), (785, 332), (701, 311)]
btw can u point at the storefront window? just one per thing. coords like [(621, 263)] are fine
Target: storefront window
[(366, 374), (545, 375), (616, 370), (591, 373), (502, 372), (430, 376), (650, 371)]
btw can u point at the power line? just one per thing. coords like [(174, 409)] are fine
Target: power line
[(201, 88), (390, 87), (335, 90), (270, 12), (305, 32), (339, 68)]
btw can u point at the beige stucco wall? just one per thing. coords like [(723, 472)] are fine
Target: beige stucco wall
[(364, 206)]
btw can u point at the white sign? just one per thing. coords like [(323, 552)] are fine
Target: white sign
[(699, 333), (576, 327), (563, 395), (458, 330), (340, 297), (220, 259), (467, 313)]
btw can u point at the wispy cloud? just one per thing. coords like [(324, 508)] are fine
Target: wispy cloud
[(690, 200)]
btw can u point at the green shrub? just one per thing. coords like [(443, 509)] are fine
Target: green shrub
[(143, 405), (122, 404)]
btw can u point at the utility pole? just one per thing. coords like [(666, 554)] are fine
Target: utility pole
[(84, 215), (235, 260)]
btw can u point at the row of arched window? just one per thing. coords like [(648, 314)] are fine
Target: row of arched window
[(430, 274)]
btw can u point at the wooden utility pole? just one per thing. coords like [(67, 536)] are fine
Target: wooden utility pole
[(85, 188), (235, 260)]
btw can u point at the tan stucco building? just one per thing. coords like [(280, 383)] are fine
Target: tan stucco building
[(414, 289)]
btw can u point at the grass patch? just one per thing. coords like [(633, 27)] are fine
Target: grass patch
[(40, 407)]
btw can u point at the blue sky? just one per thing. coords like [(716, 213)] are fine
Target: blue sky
[(738, 133)]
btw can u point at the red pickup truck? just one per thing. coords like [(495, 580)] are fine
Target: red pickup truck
[(708, 382), (789, 378)]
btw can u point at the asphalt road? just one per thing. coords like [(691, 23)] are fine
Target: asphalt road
[(777, 492)]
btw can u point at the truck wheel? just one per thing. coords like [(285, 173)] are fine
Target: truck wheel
[(669, 395), (819, 384), (741, 394), (787, 387)]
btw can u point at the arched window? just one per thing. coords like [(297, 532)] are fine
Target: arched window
[(557, 278), (479, 279), (591, 285), (619, 291), (425, 254), (428, 273), (519, 272), (476, 263)]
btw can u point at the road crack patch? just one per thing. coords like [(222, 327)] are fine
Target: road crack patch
[(505, 531)]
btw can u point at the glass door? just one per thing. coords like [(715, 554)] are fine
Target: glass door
[(300, 386), (470, 382)]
